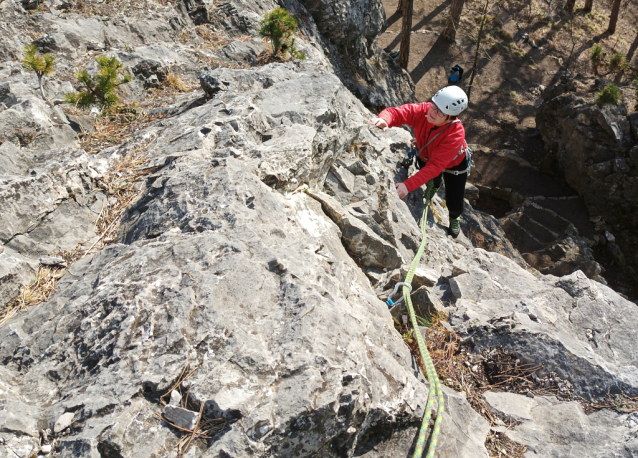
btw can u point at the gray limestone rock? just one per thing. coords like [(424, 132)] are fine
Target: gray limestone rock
[(52, 209), (549, 427), (243, 51), (13, 160), (16, 270), (222, 266), (63, 422), (545, 321), (633, 122), (235, 261), (587, 137), (184, 418)]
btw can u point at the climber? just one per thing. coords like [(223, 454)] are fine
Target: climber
[(441, 146)]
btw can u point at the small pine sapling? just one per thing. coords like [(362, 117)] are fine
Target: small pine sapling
[(618, 62), (610, 94), (596, 56), (279, 26), (99, 89), (40, 64)]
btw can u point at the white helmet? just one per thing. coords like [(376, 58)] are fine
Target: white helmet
[(451, 100)]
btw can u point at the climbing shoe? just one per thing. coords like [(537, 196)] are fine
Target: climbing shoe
[(454, 230)]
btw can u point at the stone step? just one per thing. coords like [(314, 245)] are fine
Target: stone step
[(520, 237), (548, 218), (536, 229)]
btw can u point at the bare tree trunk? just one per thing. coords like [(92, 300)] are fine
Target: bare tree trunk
[(478, 49), (400, 6), (588, 6), (613, 18), (569, 6), (406, 29), (453, 20), (40, 86)]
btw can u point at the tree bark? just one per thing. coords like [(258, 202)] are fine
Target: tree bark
[(613, 18), (569, 6), (453, 20), (588, 6), (478, 49), (406, 28), (400, 6)]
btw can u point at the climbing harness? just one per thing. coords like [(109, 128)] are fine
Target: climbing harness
[(420, 163), (465, 149), (390, 302), (433, 378)]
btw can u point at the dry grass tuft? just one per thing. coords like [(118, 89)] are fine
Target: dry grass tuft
[(121, 187), (118, 8), (213, 40), (114, 126), (38, 291), (173, 81)]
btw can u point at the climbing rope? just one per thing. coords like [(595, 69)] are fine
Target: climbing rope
[(433, 378)]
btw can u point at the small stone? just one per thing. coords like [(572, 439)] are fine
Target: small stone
[(184, 418), (52, 261), (63, 422), (609, 236), (176, 398), (46, 449)]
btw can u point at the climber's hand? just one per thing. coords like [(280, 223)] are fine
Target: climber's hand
[(380, 123), (402, 190)]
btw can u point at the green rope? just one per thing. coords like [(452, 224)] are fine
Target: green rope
[(433, 378)]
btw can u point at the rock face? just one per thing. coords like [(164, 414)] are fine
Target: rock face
[(592, 147), (595, 149), (549, 427), (572, 325), (53, 208), (257, 288), (245, 278), (549, 242)]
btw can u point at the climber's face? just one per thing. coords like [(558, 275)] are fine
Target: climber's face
[(436, 116)]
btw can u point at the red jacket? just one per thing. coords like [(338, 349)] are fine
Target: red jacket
[(440, 153)]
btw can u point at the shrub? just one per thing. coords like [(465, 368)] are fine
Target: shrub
[(610, 94), (99, 89), (596, 55), (39, 64), (279, 26), (618, 61)]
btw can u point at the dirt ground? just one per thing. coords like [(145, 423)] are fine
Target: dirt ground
[(512, 72)]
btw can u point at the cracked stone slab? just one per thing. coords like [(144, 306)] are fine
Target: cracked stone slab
[(549, 427)]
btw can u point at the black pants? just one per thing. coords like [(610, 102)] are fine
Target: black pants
[(454, 189)]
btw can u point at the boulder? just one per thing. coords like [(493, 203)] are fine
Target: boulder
[(549, 427), (590, 142), (34, 125), (243, 51), (548, 321)]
